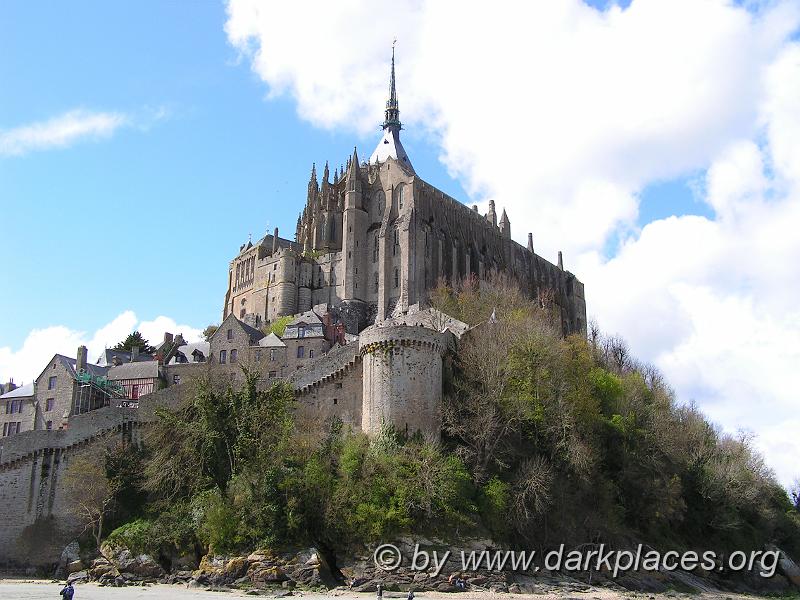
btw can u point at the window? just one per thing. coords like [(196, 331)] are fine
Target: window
[(242, 313), (134, 392), (51, 383), (230, 334), (301, 331), (396, 243), (301, 352), (5, 429), (13, 406), (234, 355), (338, 386), (375, 284), (258, 355), (396, 278), (272, 355), (49, 403), (400, 196), (49, 425), (311, 353), (176, 379), (273, 374), (223, 357), (335, 401)]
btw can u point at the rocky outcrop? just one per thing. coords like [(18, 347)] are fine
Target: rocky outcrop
[(264, 570)]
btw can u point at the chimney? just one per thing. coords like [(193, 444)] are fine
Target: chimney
[(275, 241), (560, 261), (530, 243), (134, 353), (80, 361), (10, 386), (167, 337), (179, 341)]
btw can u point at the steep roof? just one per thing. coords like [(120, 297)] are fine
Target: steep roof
[(188, 349), (390, 146), (23, 391), (106, 359), (309, 318), (271, 341), (134, 370), (69, 364)]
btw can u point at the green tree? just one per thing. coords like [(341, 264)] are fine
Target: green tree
[(133, 340), (209, 331)]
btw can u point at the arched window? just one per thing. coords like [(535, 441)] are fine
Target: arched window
[(397, 278)]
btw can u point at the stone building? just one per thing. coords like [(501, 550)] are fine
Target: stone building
[(374, 238), (339, 313)]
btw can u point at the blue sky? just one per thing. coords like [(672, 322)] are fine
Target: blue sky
[(655, 143), (147, 219)]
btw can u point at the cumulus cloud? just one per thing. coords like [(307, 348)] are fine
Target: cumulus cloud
[(25, 364), (564, 113)]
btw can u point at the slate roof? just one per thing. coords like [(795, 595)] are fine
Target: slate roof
[(271, 341), (134, 370), (70, 363), (22, 391), (188, 349), (309, 317), (106, 359)]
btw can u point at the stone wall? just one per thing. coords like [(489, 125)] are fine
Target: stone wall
[(402, 378), (37, 522)]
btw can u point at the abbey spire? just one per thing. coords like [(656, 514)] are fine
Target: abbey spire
[(392, 114), (390, 146)]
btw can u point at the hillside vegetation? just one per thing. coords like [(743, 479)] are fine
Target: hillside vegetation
[(545, 440)]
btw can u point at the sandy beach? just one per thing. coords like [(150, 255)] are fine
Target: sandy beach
[(29, 589)]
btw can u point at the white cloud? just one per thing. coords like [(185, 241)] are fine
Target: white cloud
[(563, 114), (25, 363), (72, 127), (60, 132)]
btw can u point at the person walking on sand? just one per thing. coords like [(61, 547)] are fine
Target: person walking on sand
[(68, 592), (380, 591), (410, 595)]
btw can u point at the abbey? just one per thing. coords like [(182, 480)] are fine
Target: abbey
[(375, 238), (339, 314)]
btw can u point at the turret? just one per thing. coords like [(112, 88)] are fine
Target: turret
[(505, 225), (491, 216), (275, 241)]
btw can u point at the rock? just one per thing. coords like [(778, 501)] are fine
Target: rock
[(235, 568), (78, 577), (514, 589), (75, 566), (268, 575), (478, 580)]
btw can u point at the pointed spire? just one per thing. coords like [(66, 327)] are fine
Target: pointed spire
[(505, 225), (326, 173), (352, 170), (392, 113)]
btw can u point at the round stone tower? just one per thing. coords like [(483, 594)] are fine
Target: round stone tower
[(402, 378)]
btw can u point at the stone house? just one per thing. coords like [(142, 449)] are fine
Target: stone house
[(17, 410)]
